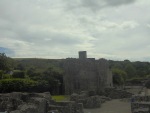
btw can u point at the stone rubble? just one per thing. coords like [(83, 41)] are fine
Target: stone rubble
[(117, 94), (140, 104), (88, 100), (18, 102), (36, 103)]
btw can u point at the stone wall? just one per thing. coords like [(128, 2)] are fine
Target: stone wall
[(67, 107), (140, 104), (89, 100), (116, 93), (24, 102), (86, 75), (36, 103)]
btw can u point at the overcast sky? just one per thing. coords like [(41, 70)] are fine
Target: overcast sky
[(111, 29)]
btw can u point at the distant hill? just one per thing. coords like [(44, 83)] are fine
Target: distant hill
[(40, 64), (133, 69)]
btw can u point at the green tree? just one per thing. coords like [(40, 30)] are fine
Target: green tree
[(130, 70), (142, 68), (6, 63), (54, 78), (20, 67), (3, 62), (119, 76), (1, 74), (18, 74)]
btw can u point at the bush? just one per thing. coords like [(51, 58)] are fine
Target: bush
[(135, 81), (10, 85), (7, 76), (147, 84), (23, 85), (119, 76), (1, 74), (18, 74)]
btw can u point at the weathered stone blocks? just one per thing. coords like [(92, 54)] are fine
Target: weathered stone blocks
[(140, 104), (117, 94), (87, 101), (24, 102), (36, 103)]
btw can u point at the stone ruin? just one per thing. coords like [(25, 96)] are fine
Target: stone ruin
[(117, 93), (88, 100), (17, 102), (86, 74), (24, 102), (140, 104), (83, 74)]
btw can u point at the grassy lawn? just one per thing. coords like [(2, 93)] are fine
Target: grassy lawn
[(59, 98)]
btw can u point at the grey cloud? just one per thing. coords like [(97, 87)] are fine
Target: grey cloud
[(55, 28), (48, 38), (124, 45), (96, 5), (118, 2)]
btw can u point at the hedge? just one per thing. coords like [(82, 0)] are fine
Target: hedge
[(10, 85), (18, 74)]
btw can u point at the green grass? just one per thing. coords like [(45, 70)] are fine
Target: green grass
[(59, 98)]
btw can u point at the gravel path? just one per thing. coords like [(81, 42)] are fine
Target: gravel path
[(113, 106)]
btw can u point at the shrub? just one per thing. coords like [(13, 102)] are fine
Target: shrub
[(7, 76), (1, 74), (10, 85), (147, 84), (135, 81), (18, 74)]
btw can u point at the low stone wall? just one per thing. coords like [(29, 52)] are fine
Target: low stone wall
[(117, 94), (67, 107), (36, 103), (140, 104), (92, 102), (17, 102), (137, 98), (89, 101)]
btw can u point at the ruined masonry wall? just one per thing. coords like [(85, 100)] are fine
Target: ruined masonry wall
[(86, 75)]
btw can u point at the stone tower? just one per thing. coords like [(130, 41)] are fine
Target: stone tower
[(86, 74), (82, 55)]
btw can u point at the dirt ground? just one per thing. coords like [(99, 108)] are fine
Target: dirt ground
[(113, 106)]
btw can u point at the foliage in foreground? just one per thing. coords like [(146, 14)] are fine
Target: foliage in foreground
[(119, 76), (22, 85), (6, 63), (9, 85)]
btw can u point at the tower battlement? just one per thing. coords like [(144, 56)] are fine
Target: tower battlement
[(82, 55)]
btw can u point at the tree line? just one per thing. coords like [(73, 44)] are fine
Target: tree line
[(40, 75), (17, 76), (127, 71)]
